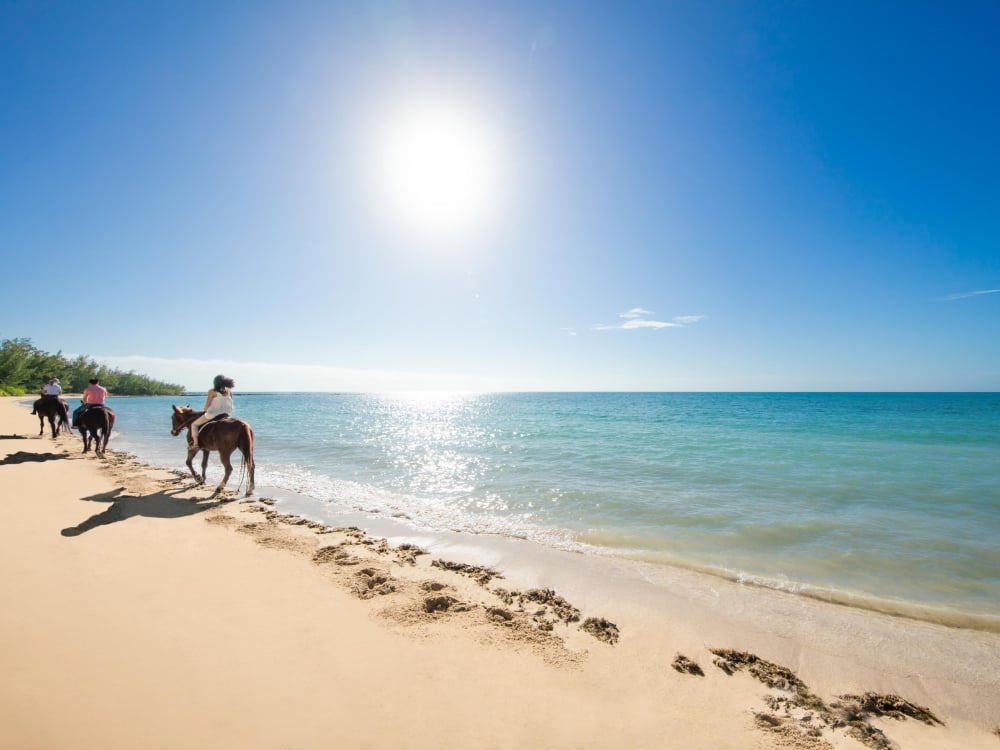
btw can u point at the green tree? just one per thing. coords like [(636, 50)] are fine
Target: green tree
[(25, 368)]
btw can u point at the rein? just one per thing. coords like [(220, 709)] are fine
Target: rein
[(187, 423)]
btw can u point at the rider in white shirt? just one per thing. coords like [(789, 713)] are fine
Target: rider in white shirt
[(219, 402), (52, 389)]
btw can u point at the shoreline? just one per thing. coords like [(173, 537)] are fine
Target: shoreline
[(123, 533), (487, 546), (908, 584)]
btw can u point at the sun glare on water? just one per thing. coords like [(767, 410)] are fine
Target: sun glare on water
[(437, 171)]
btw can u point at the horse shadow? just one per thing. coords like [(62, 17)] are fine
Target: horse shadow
[(27, 456), (163, 504)]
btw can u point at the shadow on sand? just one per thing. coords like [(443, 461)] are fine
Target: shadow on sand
[(163, 504), (23, 457)]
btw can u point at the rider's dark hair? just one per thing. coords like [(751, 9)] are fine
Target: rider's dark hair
[(223, 384), (94, 381)]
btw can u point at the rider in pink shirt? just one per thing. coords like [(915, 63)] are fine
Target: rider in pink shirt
[(93, 395)]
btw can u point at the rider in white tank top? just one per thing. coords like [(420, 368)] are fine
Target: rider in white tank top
[(220, 401), (221, 404)]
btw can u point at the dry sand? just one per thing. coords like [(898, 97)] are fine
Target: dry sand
[(139, 611)]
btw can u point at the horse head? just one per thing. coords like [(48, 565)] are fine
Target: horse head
[(181, 418)]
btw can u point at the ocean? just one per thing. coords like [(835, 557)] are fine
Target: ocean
[(886, 501)]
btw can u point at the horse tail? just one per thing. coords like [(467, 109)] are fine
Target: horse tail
[(109, 423), (246, 448), (64, 416)]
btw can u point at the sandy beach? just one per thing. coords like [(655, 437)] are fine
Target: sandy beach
[(141, 611)]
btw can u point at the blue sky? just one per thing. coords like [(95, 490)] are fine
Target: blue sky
[(678, 195)]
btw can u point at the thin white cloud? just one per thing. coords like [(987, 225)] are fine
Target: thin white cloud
[(635, 312), (686, 320), (637, 318), (639, 323), (965, 295)]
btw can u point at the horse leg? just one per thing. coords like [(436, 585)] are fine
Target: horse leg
[(86, 439), (224, 457), (52, 425), (250, 481), (41, 423), (204, 464), (248, 460), (190, 458)]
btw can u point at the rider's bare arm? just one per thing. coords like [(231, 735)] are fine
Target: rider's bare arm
[(211, 398)]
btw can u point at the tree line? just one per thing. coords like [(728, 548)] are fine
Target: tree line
[(25, 369)]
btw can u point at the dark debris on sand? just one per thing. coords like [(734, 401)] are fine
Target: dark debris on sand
[(851, 713), (873, 704), (772, 675), (479, 574), (685, 665), (601, 629)]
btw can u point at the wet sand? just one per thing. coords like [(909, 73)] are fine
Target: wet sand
[(142, 611)]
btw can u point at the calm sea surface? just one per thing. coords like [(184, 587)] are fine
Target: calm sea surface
[(884, 500)]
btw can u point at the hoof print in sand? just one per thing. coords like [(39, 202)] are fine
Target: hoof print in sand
[(444, 603), (686, 666), (562, 609), (407, 554), (440, 601), (554, 608), (334, 554), (500, 615), (369, 582), (601, 629), (767, 721)]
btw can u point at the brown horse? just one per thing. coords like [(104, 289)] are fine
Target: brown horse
[(225, 436), (96, 422), (52, 408)]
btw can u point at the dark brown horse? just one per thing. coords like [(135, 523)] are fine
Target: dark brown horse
[(52, 408), (96, 422), (225, 436)]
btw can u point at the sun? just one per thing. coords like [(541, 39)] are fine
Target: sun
[(437, 170)]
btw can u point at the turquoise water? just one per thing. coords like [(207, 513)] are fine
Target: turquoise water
[(889, 501)]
